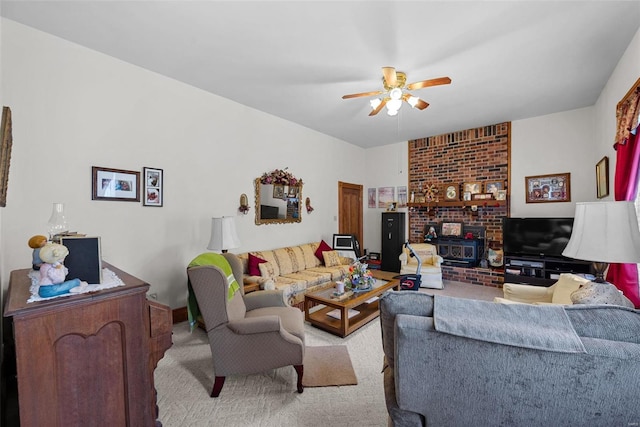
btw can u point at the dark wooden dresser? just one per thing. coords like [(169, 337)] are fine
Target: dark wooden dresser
[(88, 359)]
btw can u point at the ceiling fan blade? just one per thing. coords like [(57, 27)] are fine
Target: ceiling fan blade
[(430, 82), (421, 105), (379, 107), (358, 95), (390, 76)]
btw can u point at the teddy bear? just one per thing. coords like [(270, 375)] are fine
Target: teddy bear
[(36, 243), (53, 272)]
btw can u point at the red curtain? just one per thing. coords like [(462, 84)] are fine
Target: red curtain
[(625, 276)]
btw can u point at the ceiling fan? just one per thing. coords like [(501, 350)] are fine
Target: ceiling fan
[(394, 82)]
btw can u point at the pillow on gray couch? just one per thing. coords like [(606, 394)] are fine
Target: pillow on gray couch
[(600, 293)]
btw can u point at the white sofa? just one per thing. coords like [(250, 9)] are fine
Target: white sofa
[(430, 270)]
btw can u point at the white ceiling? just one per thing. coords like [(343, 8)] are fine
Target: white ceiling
[(295, 59)]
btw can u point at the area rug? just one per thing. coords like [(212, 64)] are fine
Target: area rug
[(326, 366)]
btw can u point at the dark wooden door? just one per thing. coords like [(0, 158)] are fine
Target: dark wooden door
[(350, 210)]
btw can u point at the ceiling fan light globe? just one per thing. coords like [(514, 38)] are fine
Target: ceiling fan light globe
[(392, 112), (395, 94), (413, 101), (394, 104), (375, 103)]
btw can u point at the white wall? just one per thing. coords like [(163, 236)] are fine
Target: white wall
[(622, 79), (556, 143), (386, 167), (74, 108)]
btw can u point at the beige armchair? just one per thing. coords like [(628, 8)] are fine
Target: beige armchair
[(558, 293), (431, 271), (248, 333)]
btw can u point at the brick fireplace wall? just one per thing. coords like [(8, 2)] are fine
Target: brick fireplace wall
[(473, 155)]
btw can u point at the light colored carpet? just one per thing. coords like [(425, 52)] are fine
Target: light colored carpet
[(328, 365), (184, 378)]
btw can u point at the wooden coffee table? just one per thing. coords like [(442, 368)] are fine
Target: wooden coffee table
[(333, 314)]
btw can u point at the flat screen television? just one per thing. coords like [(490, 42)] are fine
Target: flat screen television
[(536, 237)]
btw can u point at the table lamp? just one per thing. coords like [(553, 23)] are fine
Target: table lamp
[(223, 234), (604, 232)]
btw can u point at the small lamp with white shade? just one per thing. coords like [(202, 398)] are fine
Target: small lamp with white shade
[(223, 234)]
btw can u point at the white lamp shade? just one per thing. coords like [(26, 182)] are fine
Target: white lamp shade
[(223, 234), (605, 232)]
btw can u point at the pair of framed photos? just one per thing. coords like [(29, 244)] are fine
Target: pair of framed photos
[(124, 185)]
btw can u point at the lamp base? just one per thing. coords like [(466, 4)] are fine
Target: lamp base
[(599, 269)]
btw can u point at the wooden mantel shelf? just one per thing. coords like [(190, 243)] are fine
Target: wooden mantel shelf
[(460, 203)]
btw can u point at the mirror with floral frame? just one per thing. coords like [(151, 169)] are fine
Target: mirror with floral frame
[(278, 195)]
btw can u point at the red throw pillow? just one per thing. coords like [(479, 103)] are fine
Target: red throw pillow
[(254, 262), (322, 248)]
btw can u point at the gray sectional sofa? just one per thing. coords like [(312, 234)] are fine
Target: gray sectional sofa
[(460, 362)]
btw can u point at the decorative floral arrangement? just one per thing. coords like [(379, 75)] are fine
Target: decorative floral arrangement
[(308, 205), (279, 176), (359, 277)]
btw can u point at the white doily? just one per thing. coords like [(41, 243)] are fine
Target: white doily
[(109, 280)]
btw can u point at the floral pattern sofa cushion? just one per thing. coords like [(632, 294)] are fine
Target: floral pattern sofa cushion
[(295, 270)]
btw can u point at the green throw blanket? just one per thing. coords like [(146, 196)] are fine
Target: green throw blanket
[(219, 261)]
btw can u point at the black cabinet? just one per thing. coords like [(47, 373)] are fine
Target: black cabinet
[(393, 237), (541, 271)]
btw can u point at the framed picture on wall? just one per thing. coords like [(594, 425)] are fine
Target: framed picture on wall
[(402, 197), (278, 191), (372, 197), (115, 184), (153, 182), (602, 178), (548, 188), (5, 153), (386, 195)]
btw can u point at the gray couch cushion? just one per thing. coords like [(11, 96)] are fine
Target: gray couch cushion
[(606, 322)]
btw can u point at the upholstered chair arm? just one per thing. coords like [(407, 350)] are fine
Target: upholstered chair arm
[(259, 299), (403, 259), (437, 260), (255, 325), (527, 293)]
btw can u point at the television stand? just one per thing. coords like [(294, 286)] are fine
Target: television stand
[(541, 271)]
